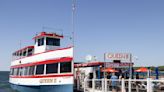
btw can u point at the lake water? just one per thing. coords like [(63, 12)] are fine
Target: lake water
[(4, 84)]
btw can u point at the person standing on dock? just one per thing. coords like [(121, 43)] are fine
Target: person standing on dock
[(114, 82), (137, 82)]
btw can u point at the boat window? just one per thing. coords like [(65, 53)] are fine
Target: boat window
[(40, 41), (24, 53), (17, 54), (30, 51), (20, 53), (52, 41), (65, 67), (26, 70), (20, 71), (17, 71), (14, 71), (52, 68), (31, 70), (40, 69), (23, 71), (11, 71)]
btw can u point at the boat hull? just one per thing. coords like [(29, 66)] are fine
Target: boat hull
[(43, 88)]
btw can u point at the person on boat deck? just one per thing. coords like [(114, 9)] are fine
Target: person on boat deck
[(113, 82)]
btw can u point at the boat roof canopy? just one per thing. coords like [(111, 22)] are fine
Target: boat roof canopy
[(43, 34), (28, 47)]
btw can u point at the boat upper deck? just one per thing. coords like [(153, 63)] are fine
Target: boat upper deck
[(44, 41), (26, 51)]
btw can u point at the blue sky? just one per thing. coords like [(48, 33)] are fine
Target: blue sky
[(135, 26)]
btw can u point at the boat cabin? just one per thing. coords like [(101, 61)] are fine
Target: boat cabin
[(46, 41), (43, 42)]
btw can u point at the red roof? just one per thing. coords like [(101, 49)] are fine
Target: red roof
[(109, 70), (25, 48), (88, 64), (42, 34), (142, 69), (107, 64)]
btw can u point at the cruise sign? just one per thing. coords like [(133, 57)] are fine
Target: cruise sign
[(118, 56)]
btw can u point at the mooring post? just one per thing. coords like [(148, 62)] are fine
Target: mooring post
[(93, 85), (105, 85), (103, 89), (129, 85), (149, 87), (123, 85), (84, 84)]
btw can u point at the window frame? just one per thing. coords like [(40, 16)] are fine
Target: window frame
[(43, 69), (55, 41), (31, 70), (41, 41), (24, 53), (30, 52), (56, 71), (61, 67)]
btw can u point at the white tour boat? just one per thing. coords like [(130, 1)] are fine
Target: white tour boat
[(44, 67)]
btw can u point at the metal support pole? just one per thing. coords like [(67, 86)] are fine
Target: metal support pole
[(104, 71), (99, 71), (130, 73)]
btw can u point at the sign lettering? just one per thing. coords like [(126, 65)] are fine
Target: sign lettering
[(118, 56)]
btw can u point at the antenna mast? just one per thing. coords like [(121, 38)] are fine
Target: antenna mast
[(73, 20), (73, 34)]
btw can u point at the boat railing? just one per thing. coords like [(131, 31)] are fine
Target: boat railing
[(122, 85)]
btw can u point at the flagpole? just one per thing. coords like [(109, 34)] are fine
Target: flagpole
[(73, 39), (73, 31), (130, 73), (104, 72), (73, 19)]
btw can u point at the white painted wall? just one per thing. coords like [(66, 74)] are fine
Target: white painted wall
[(38, 81), (45, 56)]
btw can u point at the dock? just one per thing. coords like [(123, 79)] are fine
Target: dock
[(136, 85)]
